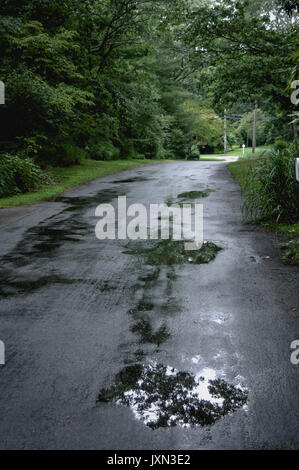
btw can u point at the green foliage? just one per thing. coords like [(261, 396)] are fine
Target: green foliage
[(263, 134), (129, 79), (92, 75), (61, 154), (207, 127), (271, 189), (194, 153), (280, 144), (19, 175), (245, 48), (104, 151), (290, 252), (65, 178)]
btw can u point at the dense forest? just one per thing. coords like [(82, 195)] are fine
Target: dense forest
[(134, 79)]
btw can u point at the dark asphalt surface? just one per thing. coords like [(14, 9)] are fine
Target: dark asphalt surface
[(64, 303)]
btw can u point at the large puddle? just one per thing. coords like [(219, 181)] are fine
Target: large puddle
[(162, 396), (196, 194), (169, 252)]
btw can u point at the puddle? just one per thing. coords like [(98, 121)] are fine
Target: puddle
[(162, 396), (150, 277), (172, 276), (11, 287), (169, 252), (142, 307), (134, 357), (106, 286), (131, 180), (170, 202), (41, 241), (196, 194), (83, 202), (171, 307), (143, 328), (221, 318), (146, 333), (14, 287), (196, 359)]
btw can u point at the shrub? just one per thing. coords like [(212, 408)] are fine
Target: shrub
[(280, 144), (104, 151), (178, 145), (195, 152), (129, 152), (19, 175), (290, 252), (72, 155), (272, 191), (60, 154)]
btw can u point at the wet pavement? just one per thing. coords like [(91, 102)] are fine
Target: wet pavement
[(133, 345)]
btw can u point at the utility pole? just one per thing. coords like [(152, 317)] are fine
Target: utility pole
[(225, 132), (254, 128)]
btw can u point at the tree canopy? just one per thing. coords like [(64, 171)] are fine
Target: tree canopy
[(141, 78)]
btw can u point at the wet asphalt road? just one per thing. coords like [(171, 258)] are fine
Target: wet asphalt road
[(64, 317)]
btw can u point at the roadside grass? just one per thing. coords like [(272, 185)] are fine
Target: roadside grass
[(289, 249), (239, 152), (208, 159), (240, 169), (70, 177)]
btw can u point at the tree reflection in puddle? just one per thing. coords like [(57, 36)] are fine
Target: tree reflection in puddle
[(162, 396)]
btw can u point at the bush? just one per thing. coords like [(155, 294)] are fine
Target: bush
[(60, 154), (272, 191), (195, 153), (178, 145), (72, 155), (19, 175), (104, 151), (280, 144), (129, 152)]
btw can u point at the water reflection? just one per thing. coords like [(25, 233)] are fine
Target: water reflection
[(162, 396)]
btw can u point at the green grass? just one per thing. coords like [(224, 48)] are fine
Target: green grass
[(70, 177), (240, 169), (208, 159), (239, 152), (290, 249), (290, 230)]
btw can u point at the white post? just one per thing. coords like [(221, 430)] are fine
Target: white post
[(2, 353), (2, 93), (225, 132), (254, 128)]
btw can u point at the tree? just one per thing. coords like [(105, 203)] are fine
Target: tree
[(246, 54)]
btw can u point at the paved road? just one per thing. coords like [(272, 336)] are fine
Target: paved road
[(67, 312)]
